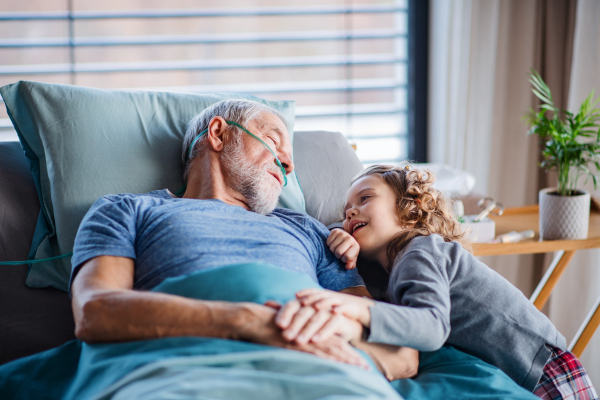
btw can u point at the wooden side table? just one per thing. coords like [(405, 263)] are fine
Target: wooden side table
[(524, 218)]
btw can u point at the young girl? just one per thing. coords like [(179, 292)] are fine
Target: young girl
[(440, 293)]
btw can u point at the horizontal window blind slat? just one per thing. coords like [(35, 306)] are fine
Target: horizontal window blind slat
[(203, 39), (188, 13), (274, 62), (287, 87), (5, 123), (348, 109)]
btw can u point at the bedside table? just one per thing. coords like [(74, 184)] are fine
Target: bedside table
[(524, 218)]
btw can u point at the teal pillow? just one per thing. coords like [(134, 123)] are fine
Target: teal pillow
[(84, 143)]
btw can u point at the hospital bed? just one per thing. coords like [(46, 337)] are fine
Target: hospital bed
[(34, 318)]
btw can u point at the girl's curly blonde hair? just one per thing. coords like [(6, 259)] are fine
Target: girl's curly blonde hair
[(418, 204)]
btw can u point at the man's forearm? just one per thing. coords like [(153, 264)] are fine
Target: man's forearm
[(392, 361), (106, 309), (120, 315)]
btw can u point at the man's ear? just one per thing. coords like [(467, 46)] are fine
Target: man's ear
[(216, 133)]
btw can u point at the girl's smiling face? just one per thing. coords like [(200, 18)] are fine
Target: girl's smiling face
[(371, 217)]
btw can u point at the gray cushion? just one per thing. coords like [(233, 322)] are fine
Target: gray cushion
[(19, 204), (31, 320), (325, 164)]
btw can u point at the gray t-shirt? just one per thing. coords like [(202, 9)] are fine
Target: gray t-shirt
[(170, 237), (442, 294)]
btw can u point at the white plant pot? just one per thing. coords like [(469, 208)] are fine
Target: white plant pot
[(564, 217)]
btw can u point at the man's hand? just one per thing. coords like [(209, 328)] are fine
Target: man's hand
[(351, 306), (259, 327), (305, 324), (344, 246)]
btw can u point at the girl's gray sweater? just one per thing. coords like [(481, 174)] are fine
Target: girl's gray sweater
[(442, 294)]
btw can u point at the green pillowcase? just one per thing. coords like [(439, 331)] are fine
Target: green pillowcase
[(84, 143)]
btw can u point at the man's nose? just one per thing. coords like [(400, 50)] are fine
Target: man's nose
[(286, 162)]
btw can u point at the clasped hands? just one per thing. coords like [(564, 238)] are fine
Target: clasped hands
[(317, 315)]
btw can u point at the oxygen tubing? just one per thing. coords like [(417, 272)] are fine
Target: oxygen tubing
[(36, 261)]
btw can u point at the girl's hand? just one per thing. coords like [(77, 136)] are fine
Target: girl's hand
[(344, 246), (351, 306), (303, 324)]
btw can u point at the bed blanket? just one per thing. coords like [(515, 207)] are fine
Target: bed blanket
[(206, 368)]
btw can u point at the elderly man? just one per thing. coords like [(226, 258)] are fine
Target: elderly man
[(235, 155)]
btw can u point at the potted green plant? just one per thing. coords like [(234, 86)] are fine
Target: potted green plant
[(570, 146)]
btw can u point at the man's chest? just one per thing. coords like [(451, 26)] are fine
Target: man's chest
[(184, 235)]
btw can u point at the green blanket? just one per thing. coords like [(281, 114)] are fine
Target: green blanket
[(203, 368)]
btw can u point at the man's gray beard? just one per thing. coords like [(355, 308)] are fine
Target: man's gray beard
[(250, 180)]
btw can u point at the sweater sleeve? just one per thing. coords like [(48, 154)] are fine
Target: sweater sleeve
[(420, 314)]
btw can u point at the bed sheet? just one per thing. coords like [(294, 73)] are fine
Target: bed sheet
[(189, 367)]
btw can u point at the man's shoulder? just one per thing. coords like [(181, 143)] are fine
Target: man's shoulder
[(123, 201), (280, 211), (115, 198), (160, 194), (296, 216), (301, 221)]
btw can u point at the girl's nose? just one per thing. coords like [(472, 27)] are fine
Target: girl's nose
[(351, 212)]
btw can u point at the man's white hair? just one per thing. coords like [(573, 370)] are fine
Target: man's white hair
[(236, 110)]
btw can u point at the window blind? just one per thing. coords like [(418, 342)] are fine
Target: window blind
[(345, 64)]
